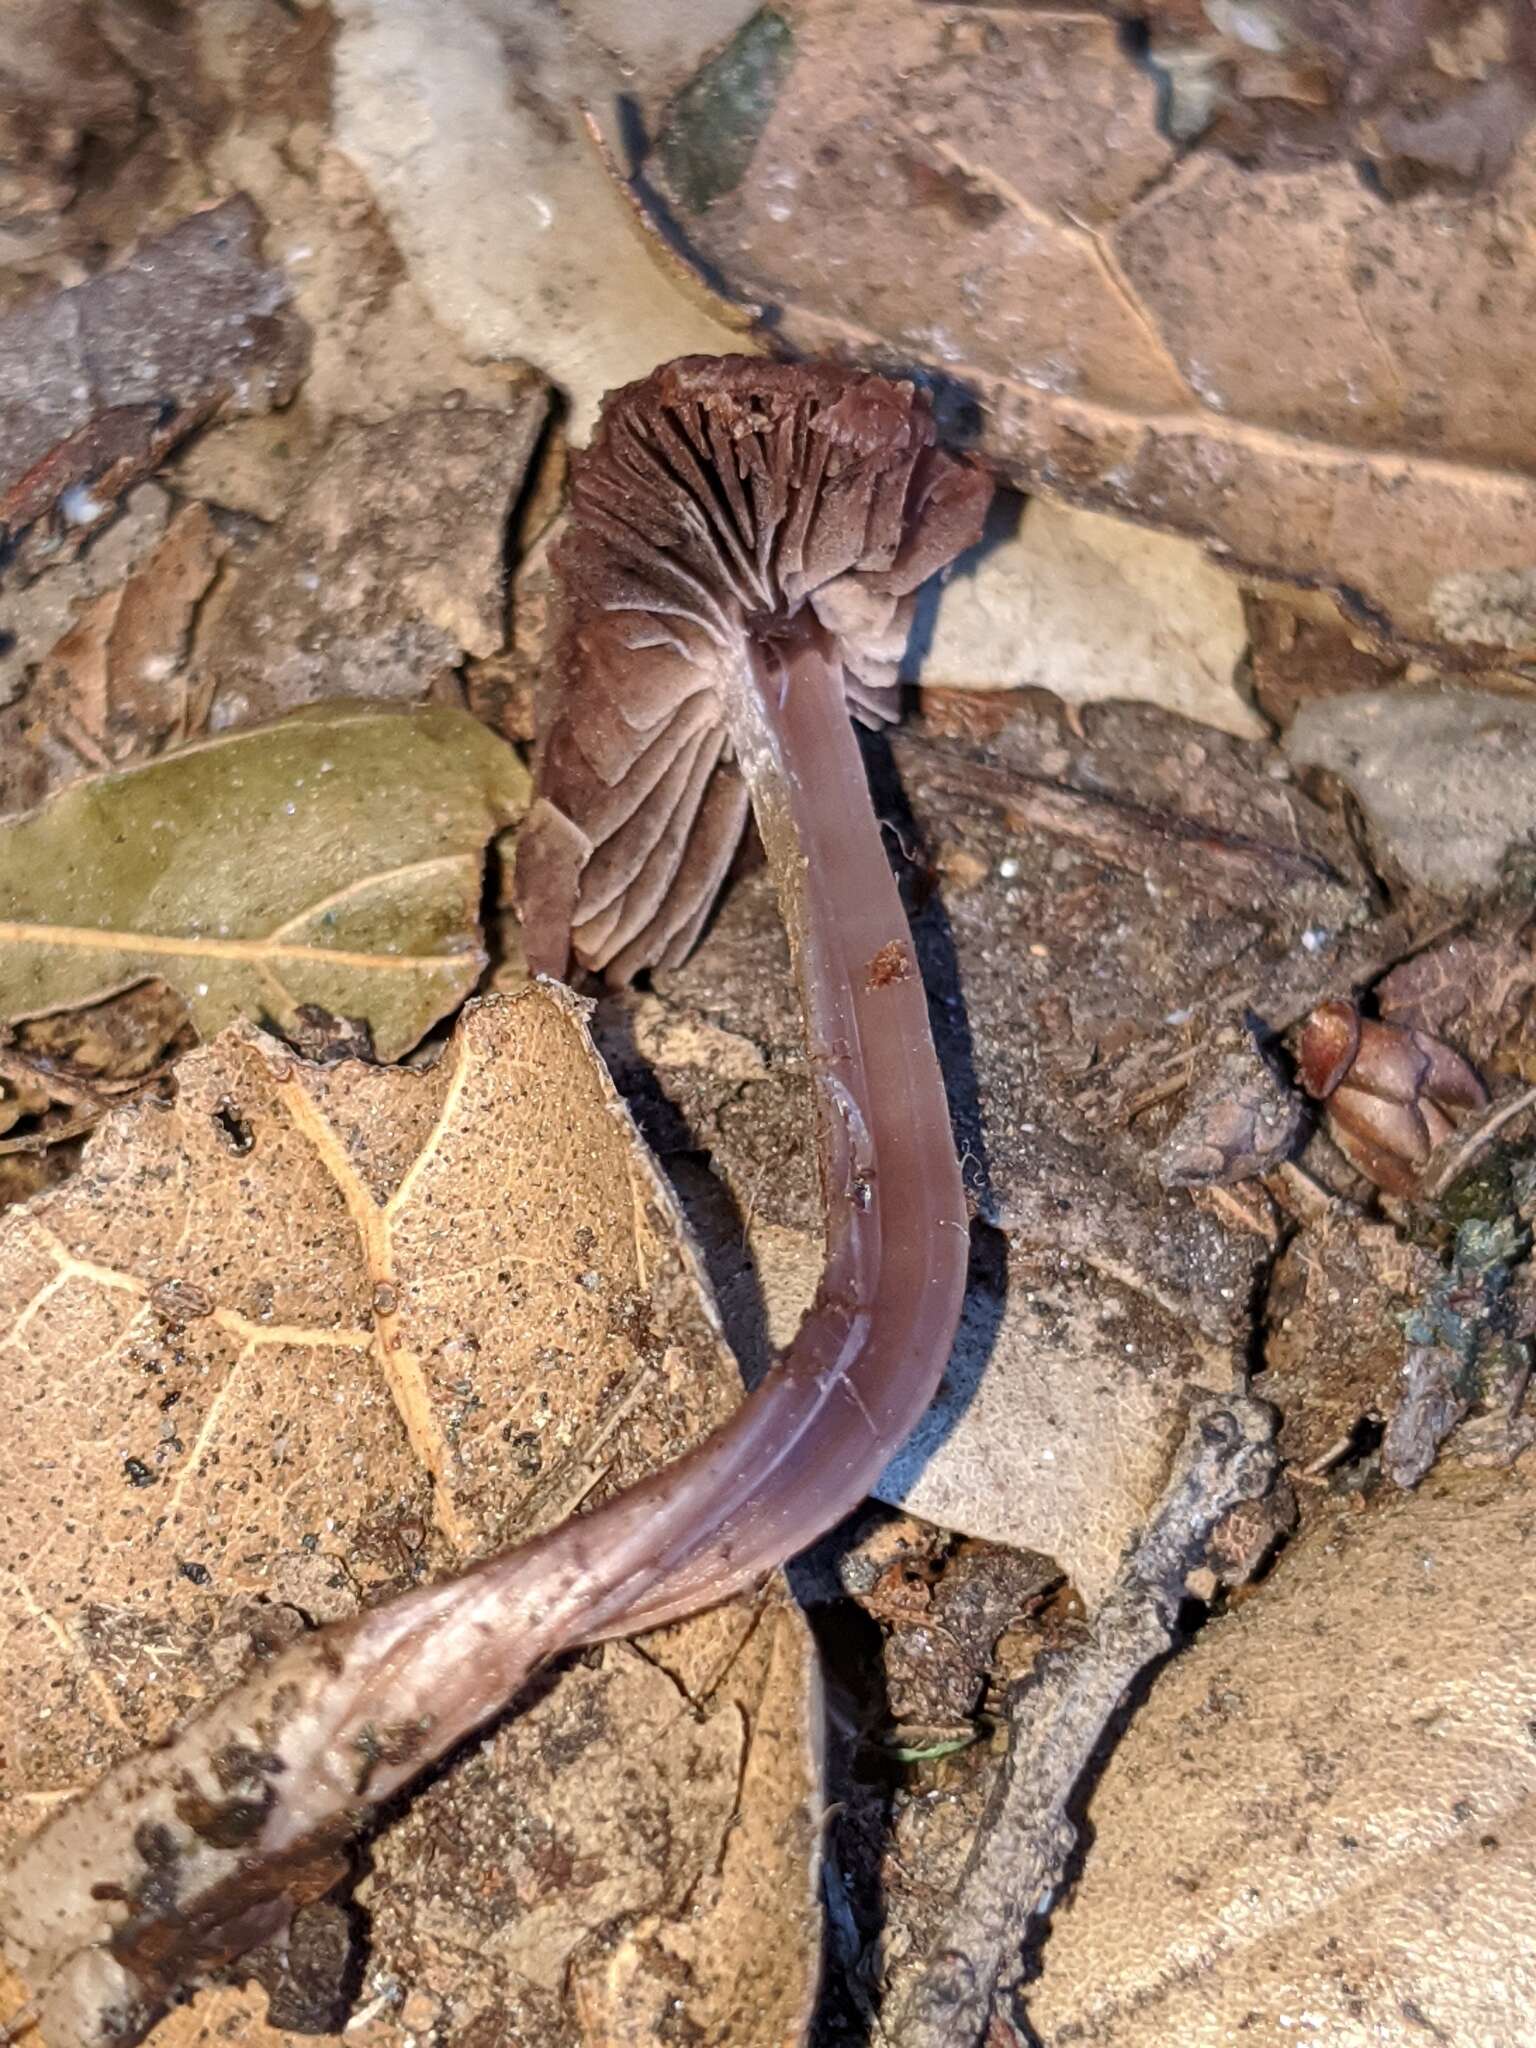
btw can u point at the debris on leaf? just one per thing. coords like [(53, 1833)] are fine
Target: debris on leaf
[(1391, 1095), (1333, 1333), (1431, 94), (1342, 1774), (98, 382), (385, 571), (332, 858), (384, 1294)]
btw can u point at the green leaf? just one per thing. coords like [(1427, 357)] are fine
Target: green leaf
[(331, 858)]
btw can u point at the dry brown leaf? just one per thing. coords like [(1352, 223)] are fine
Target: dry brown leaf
[(114, 689), (1320, 1825), (1479, 991), (308, 1334), (1318, 381)]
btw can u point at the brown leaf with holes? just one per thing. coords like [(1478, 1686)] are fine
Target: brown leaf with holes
[(307, 1334)]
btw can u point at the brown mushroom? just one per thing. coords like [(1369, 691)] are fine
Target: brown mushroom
[(744, 544)]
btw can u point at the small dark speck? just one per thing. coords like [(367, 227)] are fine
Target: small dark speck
[(199, 1574), (138, 1472)]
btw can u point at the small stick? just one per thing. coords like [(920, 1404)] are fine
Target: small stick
[(1454, 1160), (1057, 1718)]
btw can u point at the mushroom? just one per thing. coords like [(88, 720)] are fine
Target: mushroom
[(744, 546)]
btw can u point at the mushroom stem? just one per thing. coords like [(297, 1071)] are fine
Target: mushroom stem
[(813, 1439)]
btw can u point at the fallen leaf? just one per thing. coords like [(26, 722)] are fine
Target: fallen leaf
[(1320, 1822), (1090, 607), (385, 571), (39, 614), (114, 688), (1291, 366), (305, 1335), (98, 382), (334, 858), (426, 96)]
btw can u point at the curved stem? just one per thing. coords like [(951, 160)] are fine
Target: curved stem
[(344, 1719)]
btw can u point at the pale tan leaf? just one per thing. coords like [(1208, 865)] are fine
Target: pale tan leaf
[(306, 1335), (1320, 1825)]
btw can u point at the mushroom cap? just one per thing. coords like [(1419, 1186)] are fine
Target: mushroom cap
[(721, 499)]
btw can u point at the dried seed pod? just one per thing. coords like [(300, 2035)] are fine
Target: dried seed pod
[(1392, 1094)]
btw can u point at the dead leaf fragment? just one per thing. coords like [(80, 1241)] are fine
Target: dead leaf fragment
[(60, 87), (385, 571), (1478, 991), (1344, 1786), (1334, 1341), (114, 688), (333, 858), (308, 1334), (98, 382)]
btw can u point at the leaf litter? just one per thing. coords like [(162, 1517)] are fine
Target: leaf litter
[(1171, 917)]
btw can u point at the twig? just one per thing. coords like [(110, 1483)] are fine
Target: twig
[(1057, 1719), (1455, 1159)]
